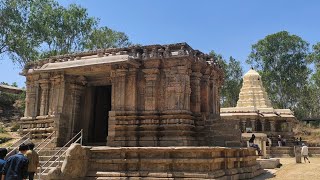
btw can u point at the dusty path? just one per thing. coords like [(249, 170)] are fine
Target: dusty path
[(292, 171)]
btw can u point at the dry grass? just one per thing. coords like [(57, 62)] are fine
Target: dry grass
[(308, 133)]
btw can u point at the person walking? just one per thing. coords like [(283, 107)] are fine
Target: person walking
[(16, 167), (33, 159), (305, 152)]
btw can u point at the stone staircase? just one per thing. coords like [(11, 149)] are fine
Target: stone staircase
[(290, 142), (46, 155)]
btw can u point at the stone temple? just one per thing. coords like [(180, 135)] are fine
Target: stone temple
[(255, 112), (145, 111)]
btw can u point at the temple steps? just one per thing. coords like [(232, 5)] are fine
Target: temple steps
[(45, 155), (289, 151), (102, 175), (290, 142)]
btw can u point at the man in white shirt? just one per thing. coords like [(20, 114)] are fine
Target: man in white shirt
[(304, 152)]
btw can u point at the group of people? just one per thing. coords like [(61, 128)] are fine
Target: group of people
[(304, 149), (281, 141), (20, 166)]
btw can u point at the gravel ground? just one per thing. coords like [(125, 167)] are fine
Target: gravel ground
[(293, 171)]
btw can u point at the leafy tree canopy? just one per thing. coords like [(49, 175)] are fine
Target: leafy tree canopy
[(33, 29), (281, 60), (233, 80)]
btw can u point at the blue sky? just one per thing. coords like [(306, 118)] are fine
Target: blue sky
[(229, 27)]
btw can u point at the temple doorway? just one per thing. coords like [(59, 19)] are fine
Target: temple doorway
[(95, 114), (102, 106)]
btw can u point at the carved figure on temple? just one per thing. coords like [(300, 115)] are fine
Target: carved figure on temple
[(154, 53), (145, 54), (182, 51), (167, 52)]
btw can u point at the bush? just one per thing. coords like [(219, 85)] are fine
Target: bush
[(2, 130), (4, 139)]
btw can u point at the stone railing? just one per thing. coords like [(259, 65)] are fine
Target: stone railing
[(40, 127)]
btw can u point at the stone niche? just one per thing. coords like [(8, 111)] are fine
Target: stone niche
[(157, 95)]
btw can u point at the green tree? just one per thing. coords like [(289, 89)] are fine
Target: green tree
[(311, 99), (15, 38), (35, 29), (281, 61), (232, 80), (62, 30), (105, 37)]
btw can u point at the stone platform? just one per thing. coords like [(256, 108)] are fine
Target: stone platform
[(284, 151), (158, 163), (271, 163)]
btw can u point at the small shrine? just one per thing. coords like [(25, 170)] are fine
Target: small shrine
[(255, 113)]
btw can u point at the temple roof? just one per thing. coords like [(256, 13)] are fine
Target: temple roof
[(117, 55), (10, 89), (254, 101), (252, 93)]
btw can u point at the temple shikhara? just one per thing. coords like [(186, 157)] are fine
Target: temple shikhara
[(255, 112), (145, 111)]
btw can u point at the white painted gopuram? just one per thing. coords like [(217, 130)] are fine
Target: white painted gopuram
[(255, 112)]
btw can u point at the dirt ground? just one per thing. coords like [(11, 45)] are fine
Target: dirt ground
[(290, 170)]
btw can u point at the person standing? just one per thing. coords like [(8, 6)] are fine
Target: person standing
[(3, 153), (305, 152), (33, 159), (16, 167), (269, 141), (279, 141)]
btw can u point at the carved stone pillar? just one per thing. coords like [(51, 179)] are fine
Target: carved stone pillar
[(272, 126), (212, 104), (185, 89), (263, 126), (205, 94), (44, 85), (131, 90), (121, 88), (253, 125), (30, 98), (243, 122), (36, 107), (151, 76), (76, 92), (216, 95), (195, 92)]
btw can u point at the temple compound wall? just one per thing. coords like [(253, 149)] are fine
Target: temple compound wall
[(157, 95)]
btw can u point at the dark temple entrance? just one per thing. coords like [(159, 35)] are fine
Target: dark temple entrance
[(96, 105)]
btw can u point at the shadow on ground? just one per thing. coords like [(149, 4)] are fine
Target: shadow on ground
[(266, 175)]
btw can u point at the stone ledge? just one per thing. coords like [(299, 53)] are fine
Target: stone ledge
[(271, 163)]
